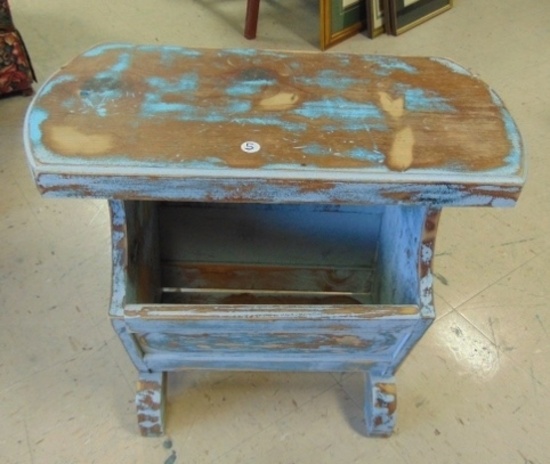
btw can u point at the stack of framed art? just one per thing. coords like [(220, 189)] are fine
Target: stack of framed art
[(341, 19)]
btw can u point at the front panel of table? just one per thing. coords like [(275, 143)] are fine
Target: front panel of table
[(272, 287), (269, 286)]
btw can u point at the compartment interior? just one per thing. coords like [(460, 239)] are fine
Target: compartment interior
[(267, 254)]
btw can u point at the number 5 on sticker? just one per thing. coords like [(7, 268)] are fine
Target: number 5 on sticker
[(250, 147)]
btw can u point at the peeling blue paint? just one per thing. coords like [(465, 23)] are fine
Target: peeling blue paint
[(70, 103), (251, 52), (361, 126), (340, 109), (153, 106), (174, 50), (97, 93), (388, 65), (207, 163), (271, 121), (238, 51), (363, 154), (116, 71), (344, 60), (181, 111), (330, 79), (36, 118), (196, 189), (49, 86), (239, 106), (186, 83), (251, 87), (97, 99), (101, 49), (420, 100), (169, 52), (452, 65), (316, 150), (334, 113)]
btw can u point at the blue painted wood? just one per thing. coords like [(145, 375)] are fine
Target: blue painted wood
[(130, 343), (356, 335), (309, 139), (371, 190), (380, 405), (262, 362), (150, 403), (144, 122), (398, 252)]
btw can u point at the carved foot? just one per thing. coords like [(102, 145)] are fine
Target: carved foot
[(150, 397), (380, 405)]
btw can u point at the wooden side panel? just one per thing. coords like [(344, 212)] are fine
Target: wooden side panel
[(426, 261), (136, 271), (399, 254), (135, 268), (143, 250), (407, 241), (121, 290)]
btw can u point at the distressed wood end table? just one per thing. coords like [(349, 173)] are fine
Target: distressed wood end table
[(271, 210)]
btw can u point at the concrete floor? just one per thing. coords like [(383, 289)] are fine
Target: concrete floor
[(475, 390)]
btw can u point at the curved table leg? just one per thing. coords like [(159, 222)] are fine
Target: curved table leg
[(150, 399), (380, 404)]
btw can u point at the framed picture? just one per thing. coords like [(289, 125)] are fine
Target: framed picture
[(406, 14), (375, 18), (341, 19)]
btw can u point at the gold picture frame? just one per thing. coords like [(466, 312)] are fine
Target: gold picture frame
[(341, 19)]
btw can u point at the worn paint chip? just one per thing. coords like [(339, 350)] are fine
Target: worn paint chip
[(394, 107), (281, 101), (68, 140), (400, 157)]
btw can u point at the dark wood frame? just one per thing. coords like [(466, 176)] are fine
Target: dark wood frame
[(375, 17), (401, 17)]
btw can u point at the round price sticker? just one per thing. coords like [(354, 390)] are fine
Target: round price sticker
[(250, 147)]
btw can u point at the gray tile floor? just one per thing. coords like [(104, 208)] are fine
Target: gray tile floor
[(475, 390)]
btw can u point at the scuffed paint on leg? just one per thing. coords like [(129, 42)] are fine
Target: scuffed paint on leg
[(150, 398), (380, 405)]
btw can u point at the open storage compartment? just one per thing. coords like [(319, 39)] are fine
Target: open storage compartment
[(267, 254), (263, 286)]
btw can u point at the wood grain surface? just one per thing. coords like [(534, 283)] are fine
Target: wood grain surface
[(152, 121)]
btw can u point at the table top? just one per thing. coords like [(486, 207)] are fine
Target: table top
[(163, 122)]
